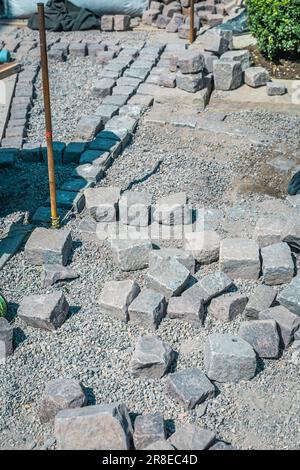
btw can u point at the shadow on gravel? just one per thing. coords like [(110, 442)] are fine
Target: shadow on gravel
[(170, 427), (173, 366), (144, 178), (75, 245), (260, 365), (73, 310), (11, 311), (19, 337), (91, 399)]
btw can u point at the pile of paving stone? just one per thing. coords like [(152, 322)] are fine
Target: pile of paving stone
[(174, 16)]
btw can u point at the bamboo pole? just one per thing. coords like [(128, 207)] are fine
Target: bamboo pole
[(48, 120), (192, 19)]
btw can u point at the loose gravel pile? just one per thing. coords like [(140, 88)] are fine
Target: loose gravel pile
[(97, 350)]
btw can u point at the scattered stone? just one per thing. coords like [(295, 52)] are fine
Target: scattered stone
[(229, 358), (107, 23), (152, 357), (276, 88), (122, 22), (56, 272), (227, 307), (88, 127), (78, 49), (263, 337), (191, 437), (277, 264), (6, 339), (102, 203), (103, 87), (168, 277), (239, 258), (186, 308), (46, 246), (97, 427), (183, 257), (261, 299), (116, 297), (190, 83), (190, 62), (45, 311), (61, 394), (270, 230), (209, 286), (256, 76), (287, 322), (148, 309), (131, 255), (173, 210), (148, 429), (88, 172), (290, 296), (190, 387), (228, 75), (204, 245), (241, 56), (134, 208)]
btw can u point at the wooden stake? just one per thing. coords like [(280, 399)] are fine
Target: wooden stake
[(192, 19), (48, 120)]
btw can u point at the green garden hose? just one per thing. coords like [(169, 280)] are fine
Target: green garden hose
[(3, 306)]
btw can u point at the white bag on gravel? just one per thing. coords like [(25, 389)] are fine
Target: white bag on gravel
[(25, 8)]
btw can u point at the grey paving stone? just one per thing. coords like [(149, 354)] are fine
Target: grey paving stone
[(60, 394), (277, 264), (239, 258), (229, 358), (190, 62), (75, 185), (46, 246), (121, 123), (103, 87), (261, 299), (256, 76), (142, 100), (241, 56), (209, 286), (96, 427), (107, 23), (116, 297), (106, 112), (148, 309), (168, 277), (191, 437), (45, 311), (102, 203), (124, 90), (220, 445), (287, 322), (289, 297), (135, 207), (270, 229), (263, 337), (182, 256), (6, 340), (191, 82), (77, 49), (88, 127), (186, 308), (56, 272), (115, 100), (88, 172), (228, 75), (173, 210), (276, 88), (131, 254), (69, 200), (151, 358), (161, 444), (190, 387), (227, 307), (204, 245), (73, 152)]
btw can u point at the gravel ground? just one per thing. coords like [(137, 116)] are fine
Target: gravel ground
[(96, 349)]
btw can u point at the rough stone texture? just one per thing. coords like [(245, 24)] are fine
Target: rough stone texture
[(56, 272), (73, 152), (227, 307), (107, 23), (204, 245), (242, 56), (220, 445), (116, 297), (239, 258), (287, 322), (276, 88), (122, 22), (270, 230), (148, 429), (209, 286), (290, 296), (256, 76), (46, 246), (186, 308), (183, 257), (263, 337), (88, 127), (190, 62), (168, 277), (102, 203), (103, 87), (191, 437), (190, 387), (152, 357), (190, 83), (173, 210), (45, 311), (277, 264), (229, 358), (6, 339), (60, 394), (98, 427), (134, 208), (148, 309), (160, 445), (261, 299), (130, 255), (88, 172), (228, 75)]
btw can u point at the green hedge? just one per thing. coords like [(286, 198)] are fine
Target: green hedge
[(276, 25)]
